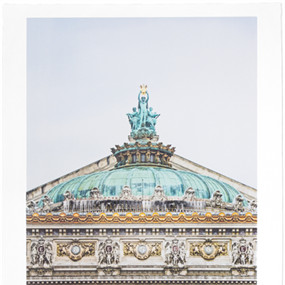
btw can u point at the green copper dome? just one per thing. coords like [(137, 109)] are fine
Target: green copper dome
[(142, 180)]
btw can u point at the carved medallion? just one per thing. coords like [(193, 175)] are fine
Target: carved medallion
[(208, 249), (76, 250), (142, 250)]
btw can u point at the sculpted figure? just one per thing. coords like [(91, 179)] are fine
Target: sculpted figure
[(189, 195), (151, 119), (175, 253), (158, 194), (31, 207), (167, 253), (250, 253), (47, 204), (34, 253), (134, 119), (41, 260), (235, 254), (108, 252), (238, 204), (96, 194), (243, 259), (48, 254), (216, 201), (116, 253), (101, 257), (242, 252), (143, 106), (253, 206)]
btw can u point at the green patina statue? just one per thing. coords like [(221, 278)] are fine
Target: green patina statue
[(143, 122)]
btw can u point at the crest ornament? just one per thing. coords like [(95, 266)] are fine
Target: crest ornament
[(41, 253), (175, 253), (109, 252), (242, 252)]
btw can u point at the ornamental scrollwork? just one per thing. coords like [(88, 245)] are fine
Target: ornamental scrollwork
[(109, 252), (242, 252), (76, 250), (41, 253), (142, 250), (175, 253), (208, 250)]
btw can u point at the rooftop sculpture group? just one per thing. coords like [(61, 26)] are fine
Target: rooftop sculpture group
[(126, 202), (143, 121)]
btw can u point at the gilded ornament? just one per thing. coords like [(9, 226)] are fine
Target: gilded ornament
[(208, 249), (142, 250), (76, 250)]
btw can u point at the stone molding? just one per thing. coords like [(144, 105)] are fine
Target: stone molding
[(157, 281)]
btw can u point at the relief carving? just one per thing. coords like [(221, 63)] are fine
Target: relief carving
[(142, 250), (208, 249), (175, 253), (76, 250), (41, 253), (242, 252), (109, 252)]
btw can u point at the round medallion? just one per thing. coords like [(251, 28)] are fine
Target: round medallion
[(109, 248), (208, 249), (175, 248), (75, 249), (41, 249), (242, 248), (142, 249)]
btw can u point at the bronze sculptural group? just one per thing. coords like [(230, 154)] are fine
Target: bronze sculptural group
[(143, 120)]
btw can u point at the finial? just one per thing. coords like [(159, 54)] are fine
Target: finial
[(143, 89)]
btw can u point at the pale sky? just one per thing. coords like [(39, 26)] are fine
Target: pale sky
[(83, 76)]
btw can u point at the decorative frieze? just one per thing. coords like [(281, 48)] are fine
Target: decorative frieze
[(142, 218)]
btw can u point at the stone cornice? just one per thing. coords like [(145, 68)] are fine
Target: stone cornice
[(132, 282), (142, 218)]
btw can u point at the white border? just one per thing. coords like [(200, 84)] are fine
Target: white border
[(269, 119)]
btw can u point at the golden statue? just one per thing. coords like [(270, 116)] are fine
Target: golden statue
[(143, 89)]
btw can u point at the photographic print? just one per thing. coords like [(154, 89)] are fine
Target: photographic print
[(141, 150)]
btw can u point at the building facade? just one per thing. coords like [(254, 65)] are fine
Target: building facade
[(142, 215)]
